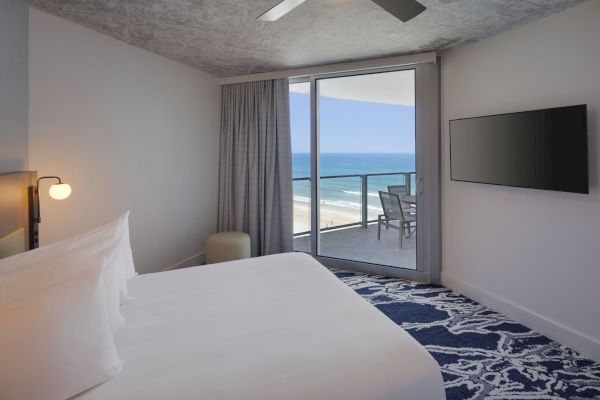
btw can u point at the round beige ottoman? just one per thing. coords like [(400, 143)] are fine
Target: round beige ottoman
[(227, 246)]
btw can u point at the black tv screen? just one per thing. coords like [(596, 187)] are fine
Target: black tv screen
[(542, 149)]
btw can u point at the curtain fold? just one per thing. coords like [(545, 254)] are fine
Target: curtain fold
[(255, 165)]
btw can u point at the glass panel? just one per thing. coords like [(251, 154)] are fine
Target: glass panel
[(340, 198), (366, 128), (300, 126)]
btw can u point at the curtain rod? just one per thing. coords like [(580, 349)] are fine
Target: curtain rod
[(411, 59)]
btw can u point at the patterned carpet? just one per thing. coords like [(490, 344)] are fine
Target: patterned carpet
[(482, 354)]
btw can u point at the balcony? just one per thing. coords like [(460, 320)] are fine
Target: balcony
[(349, 225)]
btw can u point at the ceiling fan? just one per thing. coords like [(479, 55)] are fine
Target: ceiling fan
[(404, 10)]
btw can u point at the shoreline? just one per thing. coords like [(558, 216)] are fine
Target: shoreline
[(331, 214)]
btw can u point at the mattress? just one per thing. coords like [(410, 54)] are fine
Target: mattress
[(275, 327)]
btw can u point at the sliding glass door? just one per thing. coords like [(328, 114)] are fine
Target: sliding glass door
[(357, 175)]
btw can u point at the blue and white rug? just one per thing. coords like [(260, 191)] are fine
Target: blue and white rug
[(482, 354)]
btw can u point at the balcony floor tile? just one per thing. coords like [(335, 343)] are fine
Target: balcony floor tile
[(361, 244)]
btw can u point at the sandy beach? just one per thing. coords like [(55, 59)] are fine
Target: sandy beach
[(331, 215)]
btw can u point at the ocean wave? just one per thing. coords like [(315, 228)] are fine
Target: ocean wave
[(302, 199), (344, 199), (370, 194), (338, 203)]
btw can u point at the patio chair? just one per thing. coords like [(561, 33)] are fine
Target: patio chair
[(392, 213), (402, 190)]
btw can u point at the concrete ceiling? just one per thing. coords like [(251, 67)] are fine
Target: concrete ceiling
[(223, 38)]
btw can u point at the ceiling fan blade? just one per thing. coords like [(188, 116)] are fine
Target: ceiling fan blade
[(280, 10), (404, 10)]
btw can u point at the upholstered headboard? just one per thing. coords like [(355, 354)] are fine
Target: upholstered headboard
[(18, 231)]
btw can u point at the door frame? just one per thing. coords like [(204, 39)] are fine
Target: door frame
[(427, 163)]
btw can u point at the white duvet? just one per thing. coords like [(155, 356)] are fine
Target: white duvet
[(276, 327)]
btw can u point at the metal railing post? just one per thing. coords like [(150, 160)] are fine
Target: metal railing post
[(365, 200), (407, 181)]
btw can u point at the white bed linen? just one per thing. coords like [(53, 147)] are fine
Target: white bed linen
[(276, 327)]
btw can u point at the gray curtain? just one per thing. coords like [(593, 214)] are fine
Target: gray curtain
[(255, 167)]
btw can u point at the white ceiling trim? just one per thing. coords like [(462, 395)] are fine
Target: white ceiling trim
[(411, 59), (396, 88)]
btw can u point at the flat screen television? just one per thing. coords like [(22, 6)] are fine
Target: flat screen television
[(541, 149)]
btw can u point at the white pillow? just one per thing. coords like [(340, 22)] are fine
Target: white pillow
[(124, 258), (111, 240), (55, 337)]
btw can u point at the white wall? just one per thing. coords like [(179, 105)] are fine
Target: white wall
[(128, 130), (13, 85), (534, 255)]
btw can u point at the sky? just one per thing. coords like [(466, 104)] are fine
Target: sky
[(349, 126)]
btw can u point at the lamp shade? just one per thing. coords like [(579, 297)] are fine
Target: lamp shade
[(60, 191)]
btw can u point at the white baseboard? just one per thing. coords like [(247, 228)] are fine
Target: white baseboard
[(585, 344), (192, 261)]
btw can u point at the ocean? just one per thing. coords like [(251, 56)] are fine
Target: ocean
[(346, 192)]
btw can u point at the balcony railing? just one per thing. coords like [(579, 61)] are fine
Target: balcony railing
[(364, 194)]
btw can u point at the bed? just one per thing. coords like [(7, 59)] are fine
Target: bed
[(275, 327)]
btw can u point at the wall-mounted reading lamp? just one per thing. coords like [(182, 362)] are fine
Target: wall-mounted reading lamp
[(58, 191)]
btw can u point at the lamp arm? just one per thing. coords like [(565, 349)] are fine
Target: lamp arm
[(47, 177), (36, 195)]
